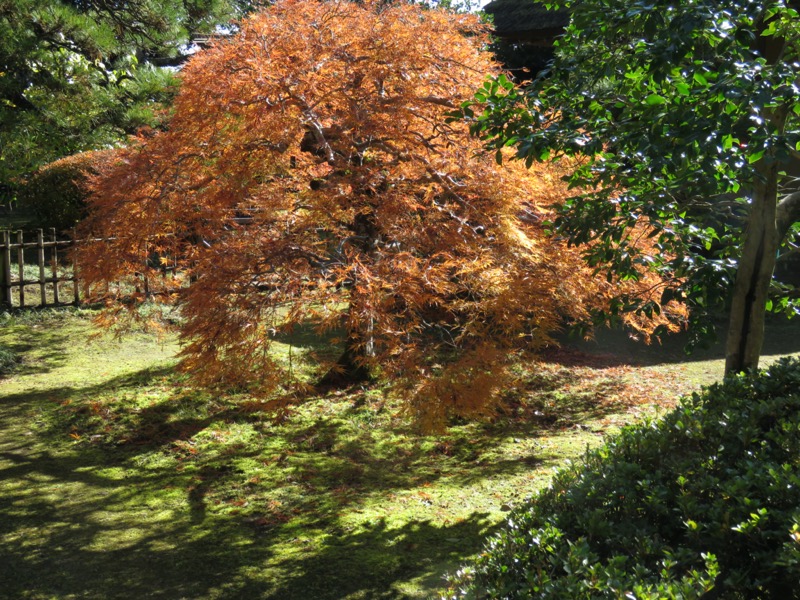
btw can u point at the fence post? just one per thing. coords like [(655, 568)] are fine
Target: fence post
[(40, 260), (5, 271), (54, 266), (76, 297), (21, 265)]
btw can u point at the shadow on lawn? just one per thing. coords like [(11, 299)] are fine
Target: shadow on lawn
[(48, 341), (88, 519), (100, 517), (70, 532), (223, 559), (347, 565), (615, 347)]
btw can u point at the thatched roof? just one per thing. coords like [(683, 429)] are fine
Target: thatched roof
[(526, 19)]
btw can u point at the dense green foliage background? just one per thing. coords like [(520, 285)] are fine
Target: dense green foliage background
[(80, 75), (684, 118)]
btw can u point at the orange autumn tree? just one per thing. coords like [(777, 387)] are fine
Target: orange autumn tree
[(309, 176)]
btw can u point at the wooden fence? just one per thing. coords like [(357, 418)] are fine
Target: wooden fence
[(33, 273)]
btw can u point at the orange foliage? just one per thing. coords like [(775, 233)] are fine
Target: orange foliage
[(309, 177)]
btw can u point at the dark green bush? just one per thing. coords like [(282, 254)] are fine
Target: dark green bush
[(704, 504), (55, 196)]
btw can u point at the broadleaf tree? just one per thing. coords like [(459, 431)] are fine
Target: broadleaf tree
[(309, 178), (685, 116)]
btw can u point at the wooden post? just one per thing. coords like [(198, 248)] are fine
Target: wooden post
[(21, 265), (5, 271), (40, 260), (54, 266), (145, 280), (76, 297)]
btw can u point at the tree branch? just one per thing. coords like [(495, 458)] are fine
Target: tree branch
[(788, 214), (436, 100), (316, 129)]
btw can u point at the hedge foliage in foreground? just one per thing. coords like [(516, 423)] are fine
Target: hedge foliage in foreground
[(703, 504)]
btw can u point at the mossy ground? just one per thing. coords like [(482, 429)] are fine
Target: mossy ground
[(117, 480)]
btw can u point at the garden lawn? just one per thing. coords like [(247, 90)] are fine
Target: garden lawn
[(117, 480)]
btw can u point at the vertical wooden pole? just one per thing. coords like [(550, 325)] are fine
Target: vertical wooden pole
[(40, 260), (76, 297), (145, 279), (54, 265), (5, 272), (21, 265)]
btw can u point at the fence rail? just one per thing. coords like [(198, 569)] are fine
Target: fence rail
[(32, 273)]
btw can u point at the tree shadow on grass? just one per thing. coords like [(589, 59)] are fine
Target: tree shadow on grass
[(615, 346), (101, 518), (320, 452), (371, 562), (25, 403), (49, 344), (94, 516), (55, 549), (68, 531)]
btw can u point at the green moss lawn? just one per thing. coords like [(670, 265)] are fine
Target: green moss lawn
[(117, 480)]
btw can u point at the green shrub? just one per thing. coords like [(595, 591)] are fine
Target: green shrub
[(704, 504), (55, 196)]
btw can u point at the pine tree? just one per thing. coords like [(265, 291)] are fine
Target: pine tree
[(83, 74)]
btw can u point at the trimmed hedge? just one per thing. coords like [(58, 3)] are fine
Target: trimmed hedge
[(55, 196), (703, 504)]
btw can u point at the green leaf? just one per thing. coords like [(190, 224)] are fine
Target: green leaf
[(700, 79), (727, 142), (655, 100), (505, 83)]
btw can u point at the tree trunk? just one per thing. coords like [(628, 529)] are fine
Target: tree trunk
[(349, 369), (352, 366), (754, 274), (767, 225)]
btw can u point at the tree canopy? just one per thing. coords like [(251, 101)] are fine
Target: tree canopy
[(686, 116), (82, 74), (309, 178)]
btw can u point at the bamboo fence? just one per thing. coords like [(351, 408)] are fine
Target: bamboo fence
[(47, 281)]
